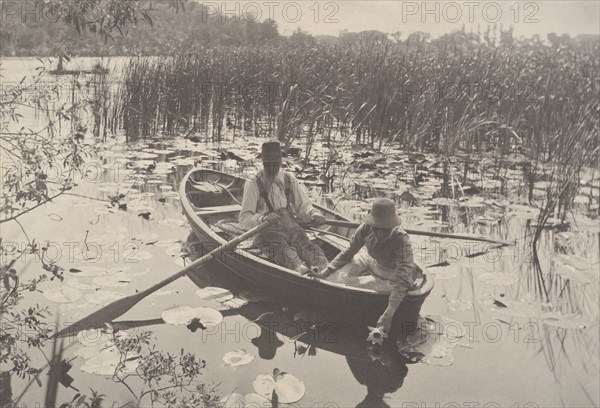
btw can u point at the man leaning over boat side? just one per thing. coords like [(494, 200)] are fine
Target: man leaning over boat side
[(276, 196), (379, 247)]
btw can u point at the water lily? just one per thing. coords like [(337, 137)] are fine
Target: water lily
[(185, 315), (237, 358), (281, 385), (376, 335)]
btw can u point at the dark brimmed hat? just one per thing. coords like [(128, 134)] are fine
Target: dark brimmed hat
[(271, 152), (383, 214)]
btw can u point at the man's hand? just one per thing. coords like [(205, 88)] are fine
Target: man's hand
[(317, 219), (272, 218), (321, 275), (385, 322)]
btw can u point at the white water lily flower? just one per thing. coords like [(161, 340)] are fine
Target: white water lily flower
[(62, 294), (376, 335), (287, 387), (185, 314), (237, 358)]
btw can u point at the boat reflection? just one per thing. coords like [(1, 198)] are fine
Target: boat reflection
[(381, 369)]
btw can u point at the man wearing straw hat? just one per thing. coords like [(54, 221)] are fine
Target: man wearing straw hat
[(379, 247), (277, 197)]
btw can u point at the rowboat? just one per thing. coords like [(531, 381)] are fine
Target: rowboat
[(211, 203)]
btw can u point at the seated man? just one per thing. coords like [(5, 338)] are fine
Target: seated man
[(277, 197), (383, 249)]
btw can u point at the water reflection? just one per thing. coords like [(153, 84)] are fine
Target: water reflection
[(381, 369)]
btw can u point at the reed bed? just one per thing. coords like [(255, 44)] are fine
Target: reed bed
[(521, 101), (456, 93)]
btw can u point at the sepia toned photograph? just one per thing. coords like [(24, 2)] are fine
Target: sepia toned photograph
[(299, 204)]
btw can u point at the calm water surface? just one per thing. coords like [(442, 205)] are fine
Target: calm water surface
[(512, 356)]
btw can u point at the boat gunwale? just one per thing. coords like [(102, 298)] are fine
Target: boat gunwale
[(289, 276)]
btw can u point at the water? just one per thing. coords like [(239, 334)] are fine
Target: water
[(512, 354)]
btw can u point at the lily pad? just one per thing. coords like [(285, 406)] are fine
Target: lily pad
[(568, 320), (77, 284), (185, 314), (514, 308), (459, 305), (103, 297), (214, 293), (62, 294), (574, 274), (106, 362), (444, 272), (118, 280), (88, 271), (287, 387), (237, 358)]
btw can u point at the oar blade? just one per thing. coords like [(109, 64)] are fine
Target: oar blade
[(100, 317)]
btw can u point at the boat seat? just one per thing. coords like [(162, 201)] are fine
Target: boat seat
[(222, 209)]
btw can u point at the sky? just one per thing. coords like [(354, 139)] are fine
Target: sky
[(325, 17)]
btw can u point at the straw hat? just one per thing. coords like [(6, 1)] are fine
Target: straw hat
[(383, 214), (271, 152)]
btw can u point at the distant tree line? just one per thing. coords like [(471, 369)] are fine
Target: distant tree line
[(157, 30)]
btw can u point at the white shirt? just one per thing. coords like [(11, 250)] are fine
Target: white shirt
[(254, 206)]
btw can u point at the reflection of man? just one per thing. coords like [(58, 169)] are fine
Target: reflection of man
[(379, 247), (267, 344), (382, 375), (277, 197)]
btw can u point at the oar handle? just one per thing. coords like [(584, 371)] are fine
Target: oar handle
[(348, 224), (228, 245)]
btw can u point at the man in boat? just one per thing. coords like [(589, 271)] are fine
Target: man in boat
[(277, 197), (382, 249)]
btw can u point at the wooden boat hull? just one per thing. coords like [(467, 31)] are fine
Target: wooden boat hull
[(348, 303)]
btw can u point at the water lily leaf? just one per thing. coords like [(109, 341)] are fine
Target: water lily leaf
[(235, 303), (118, 280), (77, 284), (139, 255), (440, 355), (185, 314), (237, 358), (517, 308), (175, 250), (459, 305), (568, 320), (106, 362), (444, 272), (574, 261), (62, 294), (148, 238), (233, 400), (450, 328), (182, 262), (251, 400), (214, 293), (103, 297), (286, 387), (573, 274)]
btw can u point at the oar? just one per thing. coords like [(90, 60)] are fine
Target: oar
[(348, 224), (116, 309)]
